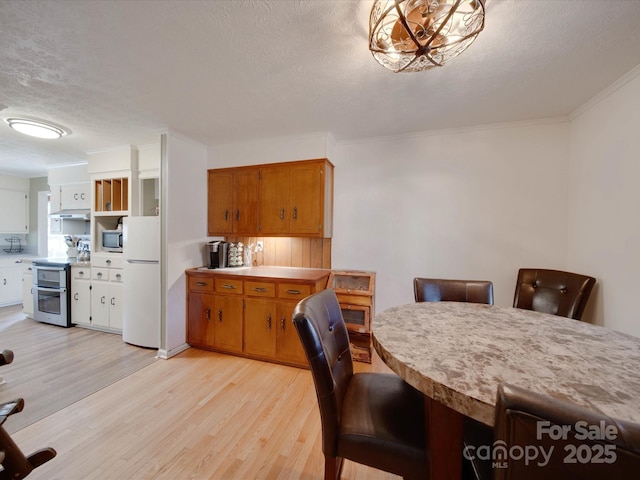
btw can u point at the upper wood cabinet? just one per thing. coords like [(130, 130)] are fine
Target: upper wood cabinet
[(233, 200), (282, 199)]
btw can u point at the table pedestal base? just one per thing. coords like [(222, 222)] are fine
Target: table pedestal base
[(445, 440)]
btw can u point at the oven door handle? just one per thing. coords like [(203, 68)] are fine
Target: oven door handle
[(51, 289), (42, 267)]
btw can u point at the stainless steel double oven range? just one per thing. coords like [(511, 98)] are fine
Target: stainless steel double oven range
[(52, 291)]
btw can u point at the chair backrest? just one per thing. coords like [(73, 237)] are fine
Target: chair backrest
[(445, 290), (322, 331), (535, 423), (553, 291)]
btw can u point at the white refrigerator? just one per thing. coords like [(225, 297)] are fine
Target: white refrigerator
[(141, 305)]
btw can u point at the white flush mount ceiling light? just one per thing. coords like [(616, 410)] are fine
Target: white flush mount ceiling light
[(36, 128), (415, 35)]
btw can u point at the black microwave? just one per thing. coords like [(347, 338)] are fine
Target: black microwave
[(112, 240)]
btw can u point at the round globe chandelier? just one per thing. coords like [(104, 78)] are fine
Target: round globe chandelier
[(415, 35)]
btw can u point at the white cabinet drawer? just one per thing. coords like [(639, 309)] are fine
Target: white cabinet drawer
[(115, 275), (107, 261), (79, 273), (100, 274)]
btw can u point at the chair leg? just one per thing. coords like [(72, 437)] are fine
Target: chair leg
[(332, 468), (15, 465)]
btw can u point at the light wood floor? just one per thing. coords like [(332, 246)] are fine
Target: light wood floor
[(54, 366), (199, 415)]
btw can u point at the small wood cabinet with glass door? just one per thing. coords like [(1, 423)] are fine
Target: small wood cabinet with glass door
[(355, 291)]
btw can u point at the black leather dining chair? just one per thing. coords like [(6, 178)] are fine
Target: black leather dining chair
[(375, 419), (449, 290), (527, 421), (553, 291)]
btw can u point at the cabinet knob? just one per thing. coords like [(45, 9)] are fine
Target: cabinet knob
[(75, 296), (294, 292), (113, 301), (118, 276), (259, 289), (282, 214), (229, 286), (295, 213), (75, 196), (226, 215), (220, 315), (282, 322), (237, 215), (269, 322), (82, 196), (108, 261), (99, 274), (102, 300), (207, 314), (201, 284)]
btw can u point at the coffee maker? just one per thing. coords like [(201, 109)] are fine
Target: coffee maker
[(218, 253)]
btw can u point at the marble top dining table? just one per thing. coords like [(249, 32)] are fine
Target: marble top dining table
[(457, 354)]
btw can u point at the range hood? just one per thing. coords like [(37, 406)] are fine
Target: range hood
[(72, 214)]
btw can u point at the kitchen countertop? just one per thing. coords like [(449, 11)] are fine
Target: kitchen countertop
[(278, 273)]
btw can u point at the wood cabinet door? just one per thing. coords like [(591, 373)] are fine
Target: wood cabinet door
[(274, 213), (306, 190), (227, 316), (260, 328), (289, 347), (220, 203), (246, 188), (200, 319)]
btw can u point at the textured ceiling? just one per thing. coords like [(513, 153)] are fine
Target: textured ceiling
[(118, 72)]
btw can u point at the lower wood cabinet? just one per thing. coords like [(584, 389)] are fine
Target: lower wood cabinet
[(251, 313)]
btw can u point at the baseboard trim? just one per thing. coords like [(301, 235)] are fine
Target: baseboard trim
[(167, 354)]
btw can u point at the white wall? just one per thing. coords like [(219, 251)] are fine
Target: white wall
[(604, 222), (478, 203), (184, 222), (271, 150), (474, 204), (481, 203)]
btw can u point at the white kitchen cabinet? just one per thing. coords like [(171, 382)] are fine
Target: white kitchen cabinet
[(106, 298), (75, 196), (81, 295), (15, 211), (10, 283), (27, 288)]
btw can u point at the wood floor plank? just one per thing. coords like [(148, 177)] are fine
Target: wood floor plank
[(199, 415), (54, 366)]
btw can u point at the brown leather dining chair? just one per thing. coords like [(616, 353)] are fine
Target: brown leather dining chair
[(448, 290), (615, 455), (553, 291), (375, 419), (519, 427)]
